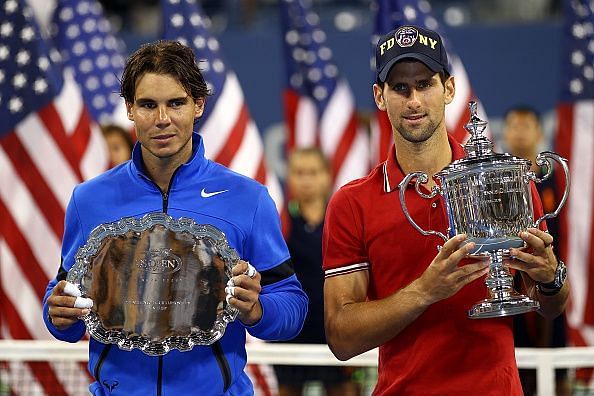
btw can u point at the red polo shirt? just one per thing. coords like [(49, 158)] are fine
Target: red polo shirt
[(442, 352)]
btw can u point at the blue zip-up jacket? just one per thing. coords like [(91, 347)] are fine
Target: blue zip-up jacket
[(246, 214)]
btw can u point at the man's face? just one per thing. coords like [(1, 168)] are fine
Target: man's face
[(414, 98), (118, 148), (163, 115), (522, 133), (308, 179)]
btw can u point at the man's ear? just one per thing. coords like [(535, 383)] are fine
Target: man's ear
[(199, 107), (129, 111), (378, 96), (450, 89)]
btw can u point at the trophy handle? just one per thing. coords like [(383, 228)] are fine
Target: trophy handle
[(543, 159), (421, 178)]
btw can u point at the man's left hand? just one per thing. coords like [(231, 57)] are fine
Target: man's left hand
[(537, 260), (243, 292)]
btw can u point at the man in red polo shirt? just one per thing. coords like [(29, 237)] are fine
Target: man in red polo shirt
[(386, 284)]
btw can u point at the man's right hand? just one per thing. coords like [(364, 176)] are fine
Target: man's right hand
[(445, 277), (61, 303)]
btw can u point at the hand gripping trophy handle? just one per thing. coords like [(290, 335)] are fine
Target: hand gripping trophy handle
[(544, 159), (422, 178)]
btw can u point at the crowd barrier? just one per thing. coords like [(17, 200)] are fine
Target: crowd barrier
[(543, 360)]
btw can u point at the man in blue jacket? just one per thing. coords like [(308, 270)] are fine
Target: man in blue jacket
[(165, 94)]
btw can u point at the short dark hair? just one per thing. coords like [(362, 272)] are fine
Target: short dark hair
[(525, 109), (164, 57), (316, 151)]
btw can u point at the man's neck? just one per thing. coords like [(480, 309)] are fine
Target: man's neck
[(160, 170), (313, 210), (430, 156), (161, 174)]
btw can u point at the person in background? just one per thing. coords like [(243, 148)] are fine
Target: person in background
[(523, 135), (165, 94), (309, 183), (119, 143), (391, 287)]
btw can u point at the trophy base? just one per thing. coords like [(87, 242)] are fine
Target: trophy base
[(495, 308), (486, 245)]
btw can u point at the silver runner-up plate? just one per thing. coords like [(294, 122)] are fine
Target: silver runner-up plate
[(157, 283)]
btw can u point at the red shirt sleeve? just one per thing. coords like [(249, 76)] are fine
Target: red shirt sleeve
[(343, 243)]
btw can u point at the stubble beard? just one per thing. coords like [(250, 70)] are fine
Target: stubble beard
[(417, 135)]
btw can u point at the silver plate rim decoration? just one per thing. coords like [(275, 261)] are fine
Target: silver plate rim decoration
[(83, 262)]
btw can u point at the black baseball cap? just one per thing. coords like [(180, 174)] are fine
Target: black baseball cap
[(410, 42)]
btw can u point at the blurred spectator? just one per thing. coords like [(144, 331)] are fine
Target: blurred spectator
[(309, 184), (119, 143), (523, 136)]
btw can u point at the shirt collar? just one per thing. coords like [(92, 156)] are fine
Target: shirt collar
[(393, 175)]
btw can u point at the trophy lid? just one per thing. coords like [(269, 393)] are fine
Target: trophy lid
[(479, 149), (478, 145)]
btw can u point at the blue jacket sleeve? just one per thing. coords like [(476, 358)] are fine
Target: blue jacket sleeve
[(284, 307), (72, 240), (284, 303)]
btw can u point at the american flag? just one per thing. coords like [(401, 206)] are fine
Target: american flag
[(390, 14), (83, 35), (230, 135), (575, 141), (47, 146), (319, 105)]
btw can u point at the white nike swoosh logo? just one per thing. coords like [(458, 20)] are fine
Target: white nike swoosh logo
[(205, 194)]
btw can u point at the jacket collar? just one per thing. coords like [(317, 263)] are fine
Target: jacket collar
[(196, 159)]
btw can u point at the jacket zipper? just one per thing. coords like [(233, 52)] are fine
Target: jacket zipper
[(160, 377), (99, 364), (223, 364), (165, 194)]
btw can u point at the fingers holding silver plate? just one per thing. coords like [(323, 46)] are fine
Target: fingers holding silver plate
[(82, 302), (251, 271), (230, 290)]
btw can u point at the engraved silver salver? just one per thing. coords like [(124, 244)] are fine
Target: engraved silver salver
[(157, 283)]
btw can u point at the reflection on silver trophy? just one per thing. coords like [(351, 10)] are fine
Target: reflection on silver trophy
[(157, 283), (487, 196)]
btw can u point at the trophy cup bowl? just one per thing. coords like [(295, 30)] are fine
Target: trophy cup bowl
[(157, 283), (488, 196)]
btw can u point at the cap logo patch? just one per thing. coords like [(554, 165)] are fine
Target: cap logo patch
[(406, 36)]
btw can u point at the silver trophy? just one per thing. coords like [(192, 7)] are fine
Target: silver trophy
[(487, 196), (157, 283)]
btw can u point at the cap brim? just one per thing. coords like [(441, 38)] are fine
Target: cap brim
[(430, 63)]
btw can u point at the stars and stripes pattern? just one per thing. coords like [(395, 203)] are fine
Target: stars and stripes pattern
[(575, 141), (390, 14), (320, 107), (83, 35), (230, 135), (48, 144)]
